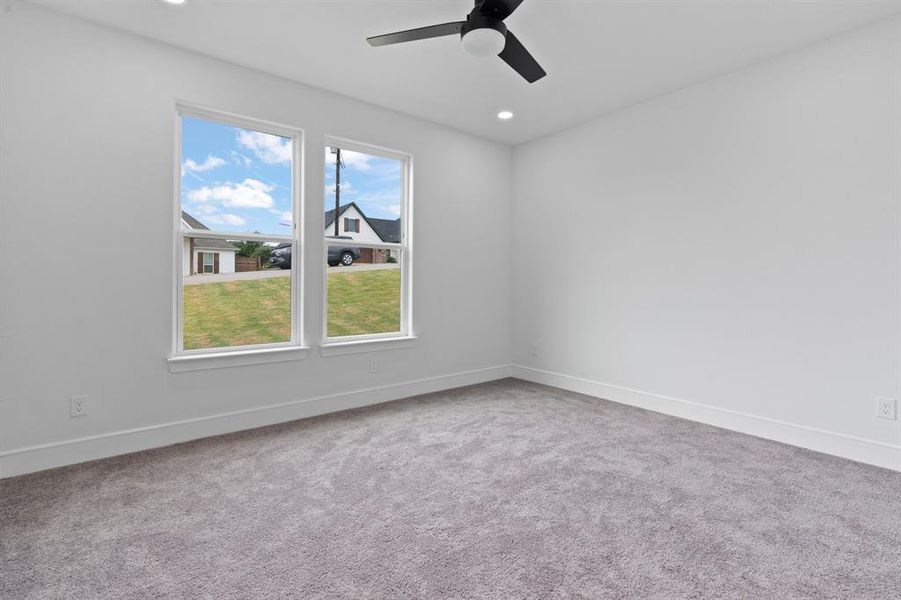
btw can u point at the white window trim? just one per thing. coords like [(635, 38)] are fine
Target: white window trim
[(181, 360), (369, 345), (237, 358), (405, 338)]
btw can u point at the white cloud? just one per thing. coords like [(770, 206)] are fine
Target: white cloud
[(384, 198), (271, 149), (350, 158), (210, 214), (205, 209), (210, 163), (393, 209), (225, 219), (240, 159), (250, 193)]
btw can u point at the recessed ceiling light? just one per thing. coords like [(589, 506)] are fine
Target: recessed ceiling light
[(505, 115), (174, 1)]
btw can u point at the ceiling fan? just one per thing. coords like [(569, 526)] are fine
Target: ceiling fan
[(483, 34)]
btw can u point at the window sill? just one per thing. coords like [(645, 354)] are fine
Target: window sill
[(237, 358), (361, 346)]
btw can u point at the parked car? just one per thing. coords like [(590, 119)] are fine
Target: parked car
[(337, 255)]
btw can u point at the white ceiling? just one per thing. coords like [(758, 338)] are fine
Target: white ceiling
[(600, 55)]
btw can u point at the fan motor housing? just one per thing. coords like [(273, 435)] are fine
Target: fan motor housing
[(477, 21)]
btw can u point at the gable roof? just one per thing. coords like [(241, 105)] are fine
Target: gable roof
[(192, 222), (204, 243), (388, 230), (330, 214)]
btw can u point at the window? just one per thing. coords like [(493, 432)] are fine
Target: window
[(208, 263), (238, 246), (367, 266)]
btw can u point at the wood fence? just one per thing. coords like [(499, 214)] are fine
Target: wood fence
[(247, 263)]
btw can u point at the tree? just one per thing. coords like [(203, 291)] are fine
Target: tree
[(254, 249)]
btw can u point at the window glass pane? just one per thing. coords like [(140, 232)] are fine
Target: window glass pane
[(368, 200), (364, 290), (234, 179), (240, 295)]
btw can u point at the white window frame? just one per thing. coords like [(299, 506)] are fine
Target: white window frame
[(208, 358), (348, 344)]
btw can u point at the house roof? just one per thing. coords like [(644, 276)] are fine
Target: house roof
[(208, 244), (388, 230), (192, 222), (205, 243)]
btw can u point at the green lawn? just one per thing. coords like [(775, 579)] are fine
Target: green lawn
[(237, 313), (363, 302), (258, 311)]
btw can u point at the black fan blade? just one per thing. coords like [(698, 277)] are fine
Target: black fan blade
[(411, 35), (499, 9), (516, 55)]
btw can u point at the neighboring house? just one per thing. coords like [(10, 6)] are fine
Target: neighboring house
[(203, 255), (354, 224)]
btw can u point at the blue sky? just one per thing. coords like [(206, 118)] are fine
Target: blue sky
[(238, 180), (372, 182)]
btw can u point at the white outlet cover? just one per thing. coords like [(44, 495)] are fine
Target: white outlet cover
[(78, 406), (887, 408)]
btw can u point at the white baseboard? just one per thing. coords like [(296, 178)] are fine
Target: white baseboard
[(47, 456), (828, 442)]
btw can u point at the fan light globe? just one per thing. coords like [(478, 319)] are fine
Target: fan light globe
[(484, 42)]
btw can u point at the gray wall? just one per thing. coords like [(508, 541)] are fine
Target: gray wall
[(734, 245), (87, 169)]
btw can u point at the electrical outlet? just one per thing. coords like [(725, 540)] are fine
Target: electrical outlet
[(78, 406), (886, 408), (373, 365)]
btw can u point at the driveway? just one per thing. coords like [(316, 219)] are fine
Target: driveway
[(364, 267), (270, 273), (220, 277)]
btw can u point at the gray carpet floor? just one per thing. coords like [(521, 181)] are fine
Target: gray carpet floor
[(503, 490)]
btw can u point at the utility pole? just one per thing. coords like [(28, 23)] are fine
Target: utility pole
[(337, 153)]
